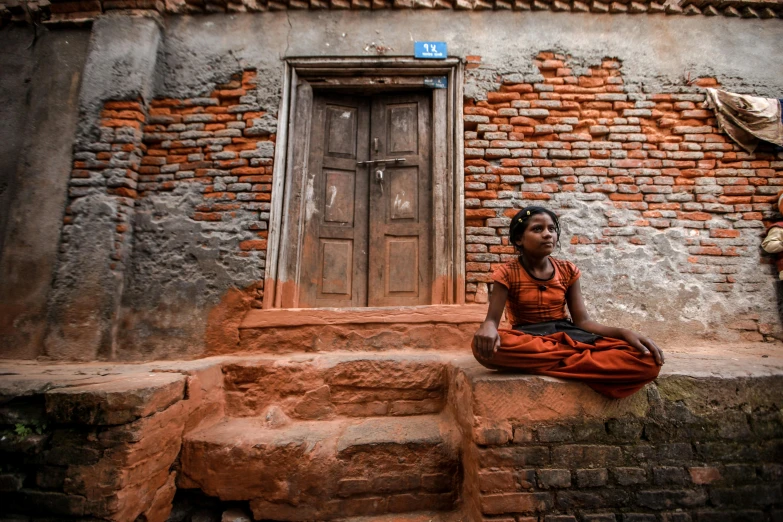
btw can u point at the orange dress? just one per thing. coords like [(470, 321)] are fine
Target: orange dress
[(609, 366)]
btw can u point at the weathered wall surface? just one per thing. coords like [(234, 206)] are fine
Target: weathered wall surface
[(96, 248), (39, 88), (649, 193), (163, 271)]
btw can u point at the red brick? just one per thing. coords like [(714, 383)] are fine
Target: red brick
[(626, 197), (208, 216), (123, 105), (705, 251), (724, 233), (695, 216), (480, 212), (253, 244), (704, 475), (499, 97)]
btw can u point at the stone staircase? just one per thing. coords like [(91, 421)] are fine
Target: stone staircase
[(390, 436), (363, 431)]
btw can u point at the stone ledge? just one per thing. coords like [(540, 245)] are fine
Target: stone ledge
[(337, 465), (698, 376), (435, 314), (355, 329), (708, 425)]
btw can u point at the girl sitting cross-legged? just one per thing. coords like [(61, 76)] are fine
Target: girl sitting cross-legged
[(535, 289)]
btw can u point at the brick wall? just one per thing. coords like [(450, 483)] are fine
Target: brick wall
[(212, 142), (645, 163), (629, 470), (678, 461), (642, 165), (206, 145)]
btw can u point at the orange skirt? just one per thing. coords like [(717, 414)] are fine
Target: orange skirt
[(611, 367)]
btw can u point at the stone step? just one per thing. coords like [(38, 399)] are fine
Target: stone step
[(419, 516), (322, 470), (433, 327), (332, 384)]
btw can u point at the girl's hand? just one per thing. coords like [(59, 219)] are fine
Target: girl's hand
[(644, 345), (486, 340)]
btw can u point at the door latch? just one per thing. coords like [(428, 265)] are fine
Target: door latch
[(375, 162), (379, 178)]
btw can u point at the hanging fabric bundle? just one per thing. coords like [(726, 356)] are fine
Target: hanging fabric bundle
[(747, 119)]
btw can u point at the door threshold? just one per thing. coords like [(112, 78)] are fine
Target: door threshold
[(291, 317)]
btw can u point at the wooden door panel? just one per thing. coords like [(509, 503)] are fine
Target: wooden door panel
[(341, 127), (403, 196), (401, 128), (401, 266), (336, 269), (334, 252), (401, 206), (339, 194)]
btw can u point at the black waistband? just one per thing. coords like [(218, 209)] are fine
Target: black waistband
[(550, 327)]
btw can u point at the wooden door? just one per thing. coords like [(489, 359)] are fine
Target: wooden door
[(367, 236), (334, 253), (401, 204)]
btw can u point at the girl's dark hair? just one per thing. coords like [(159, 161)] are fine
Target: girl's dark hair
[(519, 223)]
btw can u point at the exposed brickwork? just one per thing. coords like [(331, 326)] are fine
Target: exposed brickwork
[(110, 165), (100, 453), (26, 11), (658, 468), (647, 162), (210, 143)]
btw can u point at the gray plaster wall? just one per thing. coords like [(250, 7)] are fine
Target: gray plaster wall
[(39, 86), (657, 51), (84, 303)]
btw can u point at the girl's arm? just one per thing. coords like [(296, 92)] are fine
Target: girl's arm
[(576, 305), (486, 340)]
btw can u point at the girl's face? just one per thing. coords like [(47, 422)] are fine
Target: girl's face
[(539, 237)]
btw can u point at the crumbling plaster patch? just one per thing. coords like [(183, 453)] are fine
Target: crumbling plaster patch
[(657, 52), (181, 269), (120, 66), (641, 283)]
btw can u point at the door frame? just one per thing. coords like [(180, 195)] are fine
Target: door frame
[(289, 198)]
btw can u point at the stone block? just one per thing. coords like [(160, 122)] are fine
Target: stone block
[(600, 517), (587, 456), (519, 456), (498, 504), (493, 481), (665, 475), (593, 499), (591, 478), (668, 499), (554, 478), (557, 433), (629, 476), (115, 401)]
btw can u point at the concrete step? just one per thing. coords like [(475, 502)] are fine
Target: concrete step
[(433, 327), (328, 385), (322, 470)]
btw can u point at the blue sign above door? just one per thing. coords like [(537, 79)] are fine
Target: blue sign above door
[(430, 50)]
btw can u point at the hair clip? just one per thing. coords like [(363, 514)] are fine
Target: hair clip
[(528, 212)]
